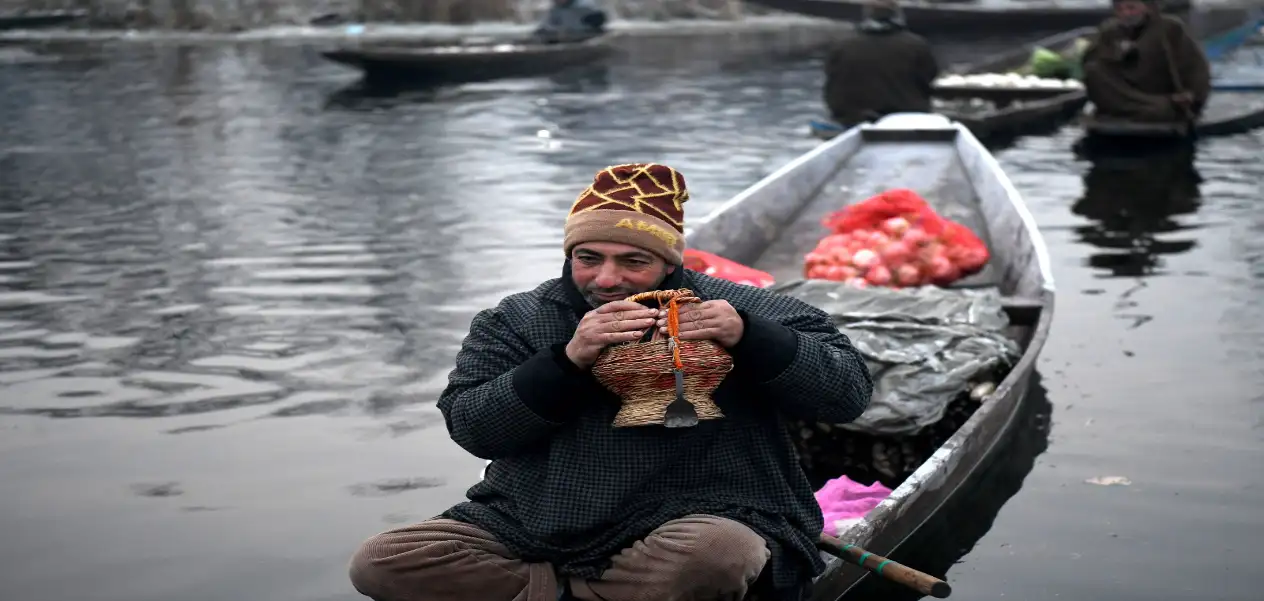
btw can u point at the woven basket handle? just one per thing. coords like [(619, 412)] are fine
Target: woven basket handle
[(671, 300)]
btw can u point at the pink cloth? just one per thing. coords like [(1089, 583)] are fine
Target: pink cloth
[(843, 502)]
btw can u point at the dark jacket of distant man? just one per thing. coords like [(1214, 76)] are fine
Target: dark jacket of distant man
[(1145, 66), (879, 69)]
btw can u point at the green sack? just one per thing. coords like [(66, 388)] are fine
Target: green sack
[(1049, 64)]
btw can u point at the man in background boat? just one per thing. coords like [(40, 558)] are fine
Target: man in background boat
[(1145, 66), (879, 69), (570, 21), (646, 513)]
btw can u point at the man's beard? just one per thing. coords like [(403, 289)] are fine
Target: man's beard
[(1133, 22), (591, 291)]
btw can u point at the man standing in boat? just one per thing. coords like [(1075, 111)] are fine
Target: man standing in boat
[(1145, 66), (879, 69), (570, 21), (572, 507)]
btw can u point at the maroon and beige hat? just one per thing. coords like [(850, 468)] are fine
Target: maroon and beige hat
[(639, 204)]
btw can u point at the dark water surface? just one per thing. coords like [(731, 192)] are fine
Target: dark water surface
[(230, 293)]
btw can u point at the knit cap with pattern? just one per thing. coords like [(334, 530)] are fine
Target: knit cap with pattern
[(640, 204)]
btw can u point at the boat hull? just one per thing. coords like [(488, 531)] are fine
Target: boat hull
[(402, 65), (36, 20)]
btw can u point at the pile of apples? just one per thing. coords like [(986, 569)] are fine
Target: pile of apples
[(897, 253)]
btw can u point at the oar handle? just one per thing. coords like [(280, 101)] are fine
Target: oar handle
[(897, 572)]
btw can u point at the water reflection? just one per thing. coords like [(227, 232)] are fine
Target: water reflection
[(363, 95), (1133, 205)]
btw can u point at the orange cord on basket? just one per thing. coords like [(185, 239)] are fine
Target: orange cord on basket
[(671, 298)]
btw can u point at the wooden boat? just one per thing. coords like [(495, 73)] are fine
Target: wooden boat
[(1019, 115), (1014, 61), (460, 63), (1013, 115), (37, 19), (969, 20), (772, 224)]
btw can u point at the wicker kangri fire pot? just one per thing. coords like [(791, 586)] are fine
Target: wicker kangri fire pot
[(642, 373)]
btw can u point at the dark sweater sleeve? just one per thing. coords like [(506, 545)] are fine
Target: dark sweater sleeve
[(766, 348), (804, 365), (503, 396), (548, 384)]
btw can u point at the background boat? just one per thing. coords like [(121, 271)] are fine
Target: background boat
[(459, 63), (38, 19)]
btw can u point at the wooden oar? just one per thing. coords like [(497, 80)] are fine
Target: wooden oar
[(1175, 74), (893, 571)]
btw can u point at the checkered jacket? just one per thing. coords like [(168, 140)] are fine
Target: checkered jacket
[(566, 487)]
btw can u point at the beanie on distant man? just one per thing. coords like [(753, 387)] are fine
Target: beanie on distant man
[(640, 204), (882, 9)]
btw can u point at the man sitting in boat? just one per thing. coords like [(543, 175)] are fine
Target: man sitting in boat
[(1144, 66), (573, 506), (879, 69), (571, 21)]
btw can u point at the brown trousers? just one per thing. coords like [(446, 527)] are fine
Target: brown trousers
[(695, 558)]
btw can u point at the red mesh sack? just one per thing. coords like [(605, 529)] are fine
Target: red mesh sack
[(719, 267), (895, 239), (965, 249), (871, 212)]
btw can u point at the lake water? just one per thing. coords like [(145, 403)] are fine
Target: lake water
[(231, 289)]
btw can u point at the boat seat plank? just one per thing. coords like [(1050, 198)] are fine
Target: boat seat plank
[(931, 169), (1022, 311)]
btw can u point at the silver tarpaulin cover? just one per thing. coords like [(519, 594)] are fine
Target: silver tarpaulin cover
[(925, 347)]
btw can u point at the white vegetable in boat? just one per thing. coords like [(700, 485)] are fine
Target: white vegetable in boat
[(1005, 80)]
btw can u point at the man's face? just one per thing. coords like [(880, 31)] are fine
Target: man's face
[(1131, 12), (610, 271)]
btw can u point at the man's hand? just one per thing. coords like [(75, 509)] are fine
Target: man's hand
[(711, 320), (1183, 99), (611, 323), (1127, 48)]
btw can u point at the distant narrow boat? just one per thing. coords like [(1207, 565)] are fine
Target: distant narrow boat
[(37, 19), (772, 224), (958, 19), (459, 63)]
